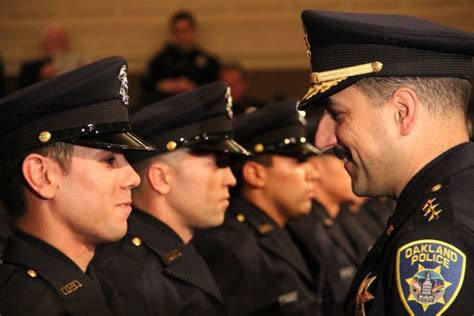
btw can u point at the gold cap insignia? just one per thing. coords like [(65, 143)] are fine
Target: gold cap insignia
[(171, 145), (44, 137), (70, 287), (322, 81), (32, 273), (136, 241)]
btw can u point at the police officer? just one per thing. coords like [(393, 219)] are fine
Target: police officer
[(395, 91), (65, 182), (185, 186), (257, 266), (181, 65)]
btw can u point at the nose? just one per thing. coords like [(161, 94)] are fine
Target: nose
[(229, 179), (310, 171), (131, 177), (326, 133)]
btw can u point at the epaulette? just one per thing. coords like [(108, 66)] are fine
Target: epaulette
[(435, 206)]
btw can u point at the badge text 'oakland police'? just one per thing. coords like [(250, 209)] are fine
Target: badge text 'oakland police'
[(430, 274)]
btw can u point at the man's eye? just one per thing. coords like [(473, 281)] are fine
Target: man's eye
[(110, 160), (222, 161)]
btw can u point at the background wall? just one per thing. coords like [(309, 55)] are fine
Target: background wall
[(264, 35)]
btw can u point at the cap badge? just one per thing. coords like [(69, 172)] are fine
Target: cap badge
[(228, 106), (122, 77), (308, 48), (44, 137)]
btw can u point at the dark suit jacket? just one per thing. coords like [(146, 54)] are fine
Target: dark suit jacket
[(37, 279), (257, 267), (430, 233), (155, 273)]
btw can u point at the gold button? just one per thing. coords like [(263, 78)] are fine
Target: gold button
[(389, 230), (303, 139), (171, 145), (240, 218), (436, 187), (136, 241), (328, 221), (32, 273), (44, 136), (258, 148)]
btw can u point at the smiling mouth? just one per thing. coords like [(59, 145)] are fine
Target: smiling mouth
[(343, 153)]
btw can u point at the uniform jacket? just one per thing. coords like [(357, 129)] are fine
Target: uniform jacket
[(422, 264), (155, 273), (37, 279), (257, 267), (330, 254)]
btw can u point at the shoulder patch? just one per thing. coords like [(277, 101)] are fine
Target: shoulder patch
[(429, 274)]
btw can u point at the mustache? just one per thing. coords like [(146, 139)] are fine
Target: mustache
[(342, 153)]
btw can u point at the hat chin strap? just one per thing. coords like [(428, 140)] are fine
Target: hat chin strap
[(323, 81)]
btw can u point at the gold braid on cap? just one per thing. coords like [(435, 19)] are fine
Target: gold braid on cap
[(323, 81)]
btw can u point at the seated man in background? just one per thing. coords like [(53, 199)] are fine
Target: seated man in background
[(58, 57), (257, 267), (185, 186), (65, 182), (181, 65), (237, 79)]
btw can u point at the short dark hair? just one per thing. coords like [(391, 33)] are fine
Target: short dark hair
[(237, 166), (444, 95), (183, 15), (12, 182)]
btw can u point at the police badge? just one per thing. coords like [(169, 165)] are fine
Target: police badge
[(228, 106), (430, 274), (122, 77)]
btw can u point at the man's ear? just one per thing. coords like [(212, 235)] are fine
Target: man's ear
[(38, 172), (406, 104), (254, 174), (159, 175)]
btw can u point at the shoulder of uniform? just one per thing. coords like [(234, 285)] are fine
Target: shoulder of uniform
[(18, 282), (436, 206)]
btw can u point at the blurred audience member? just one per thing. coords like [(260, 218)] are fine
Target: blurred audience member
[(237, 79), (181, 64), (57, 58)]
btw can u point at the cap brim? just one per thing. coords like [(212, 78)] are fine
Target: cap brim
[(126, 141), (299, 149), (228, 146)]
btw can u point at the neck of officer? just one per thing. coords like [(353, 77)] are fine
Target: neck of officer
[(331, 205), (42, 222), (157, 206), (267, 205), (427, 144)]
